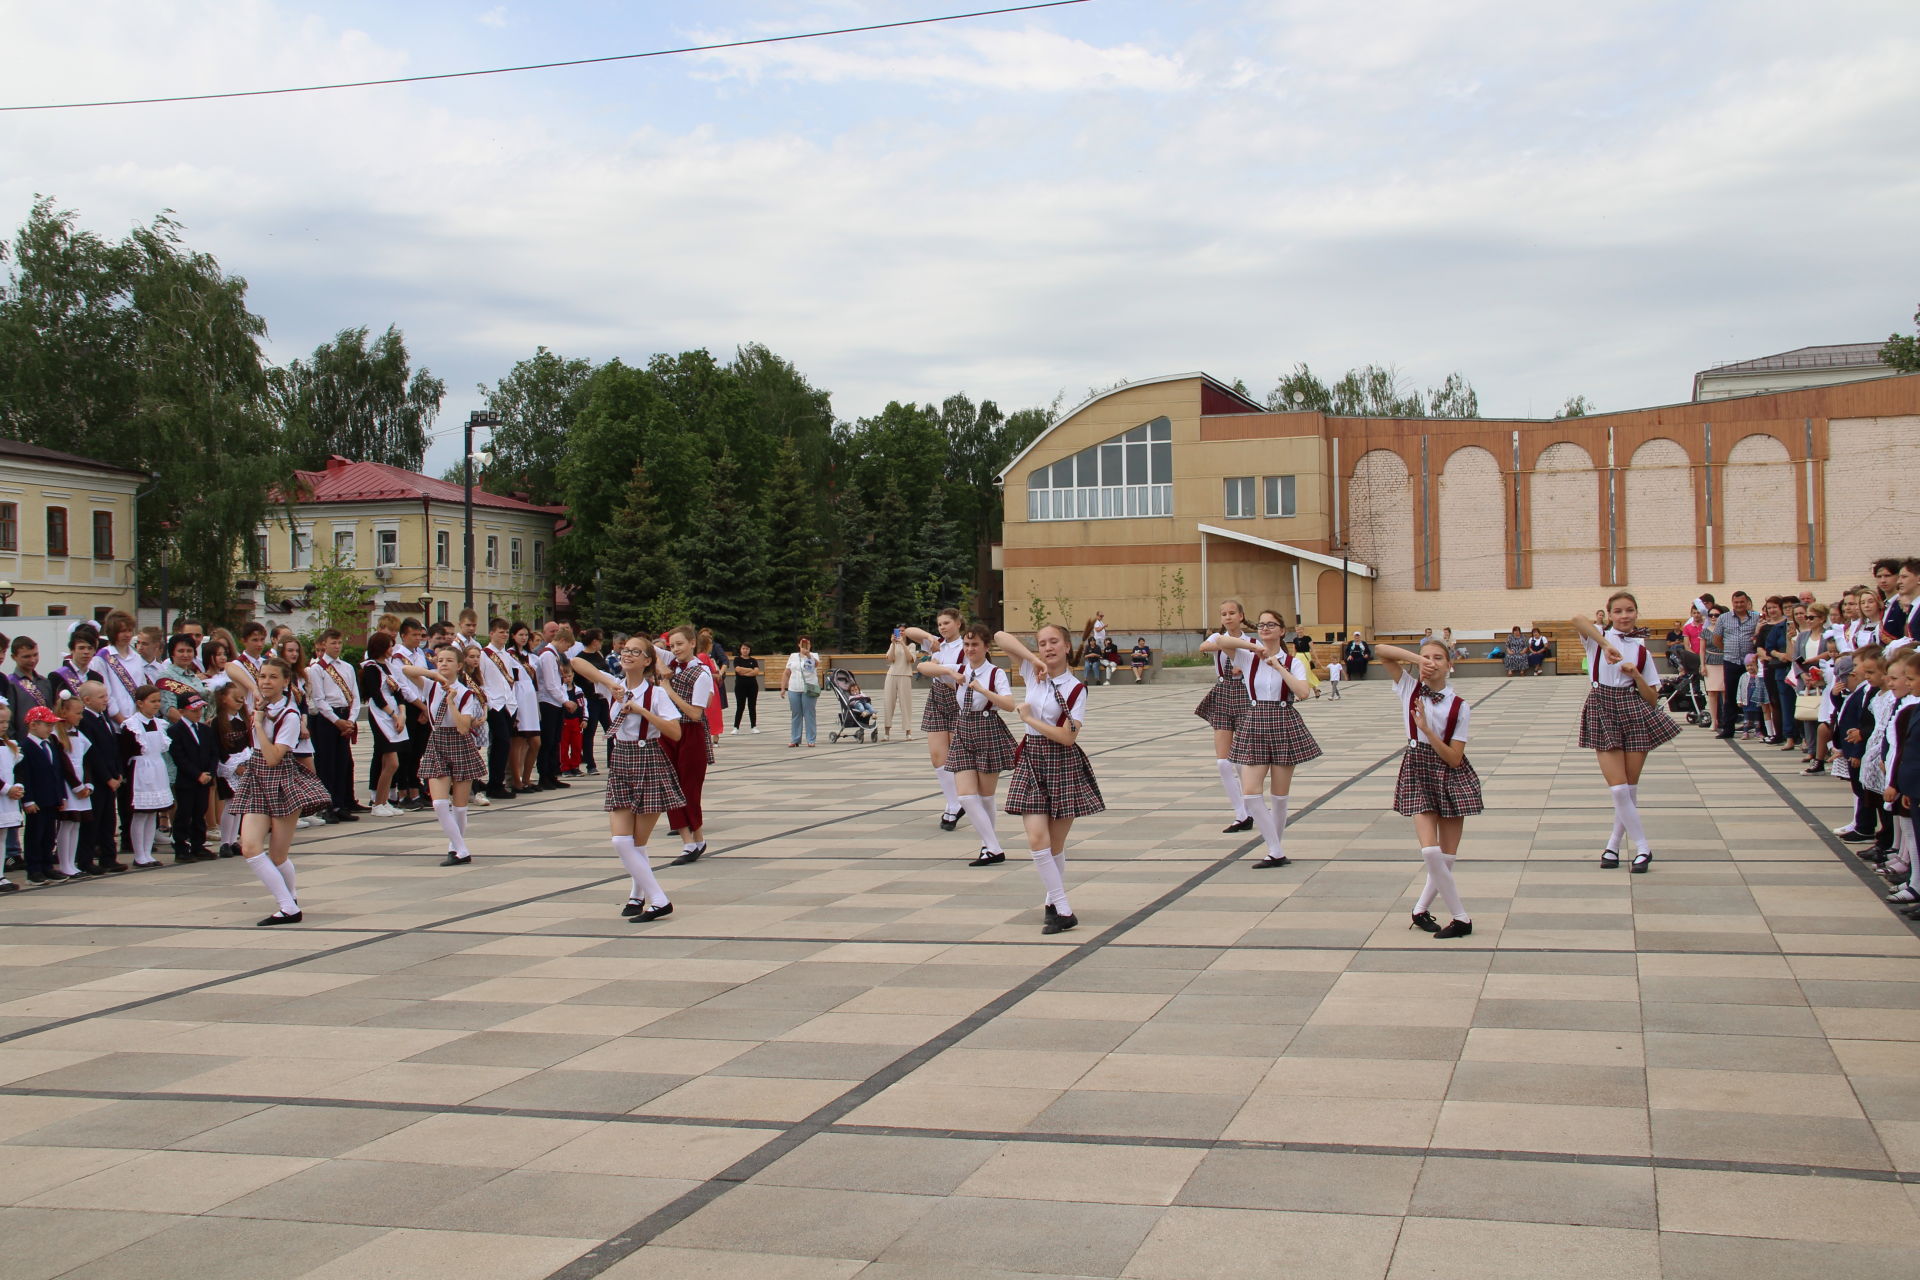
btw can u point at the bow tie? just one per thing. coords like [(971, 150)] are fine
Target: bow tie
[(679, 665), (1432, 695)]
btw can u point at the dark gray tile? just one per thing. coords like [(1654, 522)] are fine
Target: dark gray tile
[(1732, 1019), (1052, 1237), (301, 1131), (1302, 1181), (1836, 1141), (1697, 1257), (510, 1049), (810, 1060), (1739, 1053), (1536, 1191), (800, 1220), (1551, 1083), (210, 1248), (603, 1092), (142, 1125), (363, 1192), (1427, 1044), (128, 1071), (1558, 1015), (1142, 1114), (862, 1162)]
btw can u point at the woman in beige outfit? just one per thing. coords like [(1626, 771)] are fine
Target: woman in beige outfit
[(899, 690)]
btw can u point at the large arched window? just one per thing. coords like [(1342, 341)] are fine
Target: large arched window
[(1129, 475)]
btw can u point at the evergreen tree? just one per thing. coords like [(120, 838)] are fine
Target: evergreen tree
[(722, 556), (937, 556), (636, 570), (795, 556)]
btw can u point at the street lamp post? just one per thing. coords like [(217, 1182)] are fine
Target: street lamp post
[(166, 592), (489, 420), (6, 593)]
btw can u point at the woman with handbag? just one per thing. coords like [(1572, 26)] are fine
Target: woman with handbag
[(800, 682)]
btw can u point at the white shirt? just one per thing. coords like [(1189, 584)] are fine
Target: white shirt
[(76, 803), (1231, 663), (1268, 685), (801, 664), (10, 814), (411, 689), (970, 698), (1632, 653), (1051, 698), (283, 725), (1336, 672), (546, 677), (702, 683), (465, 703), (498, 674), (949, 653), (632, 725), (108, 666), (339, 698), (1407, 689)]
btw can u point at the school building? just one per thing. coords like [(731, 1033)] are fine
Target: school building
[(1393, 525), (66, 533), (403, 535)]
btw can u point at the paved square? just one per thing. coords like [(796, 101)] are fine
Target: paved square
[(849, 1054)]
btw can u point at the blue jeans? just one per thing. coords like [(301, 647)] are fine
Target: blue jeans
[(802, 706)]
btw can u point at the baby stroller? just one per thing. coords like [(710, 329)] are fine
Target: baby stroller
[(857, 718), (1685, 692)]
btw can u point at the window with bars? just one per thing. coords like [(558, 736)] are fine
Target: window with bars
[(1129, 475)]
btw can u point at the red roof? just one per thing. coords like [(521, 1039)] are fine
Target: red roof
[(345, 481)]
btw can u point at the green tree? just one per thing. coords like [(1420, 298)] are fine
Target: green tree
[(1902, 350), (722, 557), (638, 572), (335, 594), (1454, 398), (1313, 393), (796, 552), (362, 401), (536, 402), (1374, 391), (1575, 407), (143, 352)]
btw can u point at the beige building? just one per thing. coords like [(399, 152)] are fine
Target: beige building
[(403, 534), (1791, 370), (66, 533), (1395, 525)]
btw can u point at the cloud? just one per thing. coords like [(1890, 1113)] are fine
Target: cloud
[(494, 17)]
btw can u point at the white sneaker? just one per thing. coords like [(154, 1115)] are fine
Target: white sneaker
[(384, 811), (303, 823), (1845, 831), (480, 801), (756, 730), (1904, 894)]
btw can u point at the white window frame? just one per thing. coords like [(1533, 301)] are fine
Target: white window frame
[(386, 547), (1113, 479), (443, 548), (513, 555), (1278, 497), (1239, 498), (301, 542), (343, 546), (539, 557)]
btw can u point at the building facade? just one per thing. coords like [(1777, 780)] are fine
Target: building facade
[(403, 535), (1791, 370), (66, 533), (1401, 524)]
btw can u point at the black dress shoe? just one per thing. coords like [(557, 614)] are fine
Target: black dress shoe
[(1456, 929), (1060, 924), (35, 879), (948, 821), (455, 860), (1641, 861), (557, 785), (357, 807), (8, 886), (115, 868), (145, 866), (988, 858), (653, 913), (343, 815), (1234, 829), (1609, 859), (229, 850), (277, 918), (633, 908), (182, 859), (1053, 912), (1856, 837), (1724, 736), (499, 793), (1269, 862), (16, 864), (689, 855), (1424, 920)]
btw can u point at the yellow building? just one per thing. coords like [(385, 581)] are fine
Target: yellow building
[(66, 532), (403, 534)]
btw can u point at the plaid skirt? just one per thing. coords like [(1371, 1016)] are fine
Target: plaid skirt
[(283, 790), (1272, 733), (943, 708), (640, 778), (1226, 702), (1619, 719), (1426, 785), (1054, 779), (451, 754), (981, 744)]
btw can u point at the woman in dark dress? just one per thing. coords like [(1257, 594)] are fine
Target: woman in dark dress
[(1358, 654)]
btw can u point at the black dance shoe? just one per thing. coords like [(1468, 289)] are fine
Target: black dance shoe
[(455, 860), (8, 886), (948, 821), (1424, 920), (988, 858), (1455, 929), (689, 855), (633, 908), (1244, 824), (278, 918), (652, 913), (1060, 924), (1642, 861), (1269, 862), (1609, 858)]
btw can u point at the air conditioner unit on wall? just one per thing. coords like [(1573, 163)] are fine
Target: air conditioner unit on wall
[(381, 573)]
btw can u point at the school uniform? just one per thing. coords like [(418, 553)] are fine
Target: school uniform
[(552, 695), (122, 672), (332, 694), (97, 847), (24, 693), (640, 777), (981, 743), (1426, 784), (1271, 730), (1616, 717), (1903, 758), (499, 674), (694, 751), (1053, 778), (1856, 712), (413, 723), (526, 702), (1227, 700), (39, 772), (75, 808), (194, 752), (386, 714), (11, 818), (144, 748), (942, 708), (283, 790), (450, 753)]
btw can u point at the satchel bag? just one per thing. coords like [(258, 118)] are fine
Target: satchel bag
[(1806, 706)]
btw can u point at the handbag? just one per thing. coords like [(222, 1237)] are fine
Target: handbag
[(1806, 706), (810, 680)]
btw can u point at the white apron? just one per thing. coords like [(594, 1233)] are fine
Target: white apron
[(151, 790), (526, 716)]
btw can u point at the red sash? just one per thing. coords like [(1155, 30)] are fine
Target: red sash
[(331, 668), (119, 671)]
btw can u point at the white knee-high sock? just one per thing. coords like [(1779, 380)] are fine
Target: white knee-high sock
[(1279, 806), (460, 816), (456, 843), (229, 827), (142, 830), (982, 818), (1627, 814), (1236, 795), (1440, 876), (1264, 824), (1428, 891), (645, 884), (288, 877), (269, 875), (948, 789), (1633, 791), (1050, 877), (66, 848)]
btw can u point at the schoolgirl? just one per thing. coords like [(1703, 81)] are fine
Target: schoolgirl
[(386, 713), (1622, 720), (474, 677), (690, 685), (936, 721), (641, 783), (76, 807), (274, 792), (524, 754), (145, 748), (233, 749), (981, 749), (1226, 703), (1053, 780), (1437, 787), (1902, 789), (11, 795), (1271, 738), (452, 761)]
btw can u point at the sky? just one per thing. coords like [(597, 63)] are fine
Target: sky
[(1552, 199)]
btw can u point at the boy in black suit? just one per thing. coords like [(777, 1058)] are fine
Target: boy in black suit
[(39, 773), (194, 758), (105, 771)]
